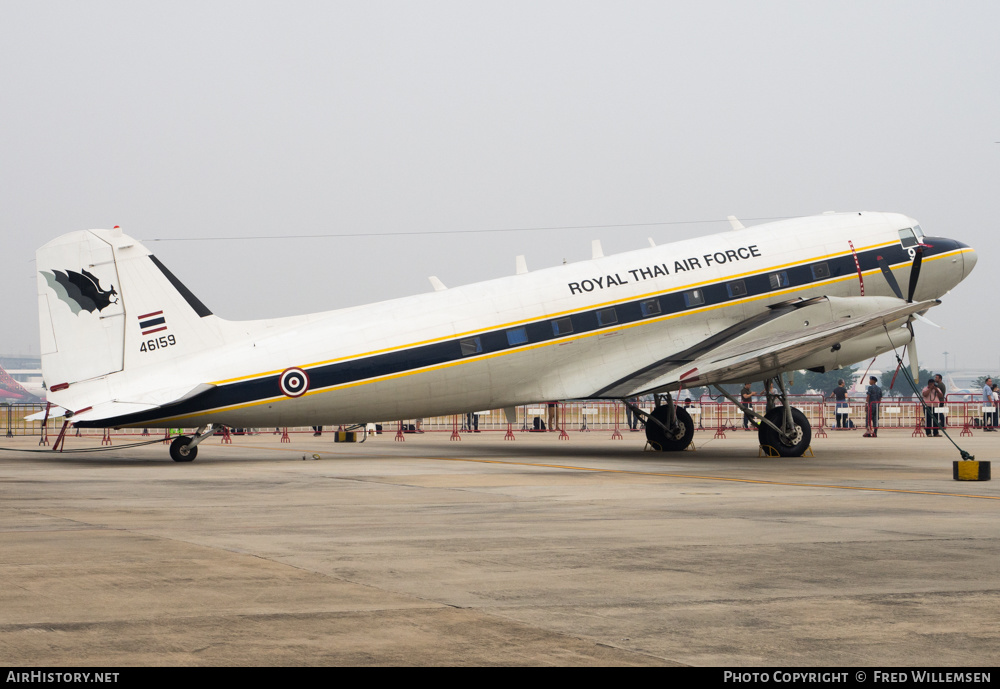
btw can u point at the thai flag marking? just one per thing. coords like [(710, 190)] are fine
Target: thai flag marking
[(152, 323)]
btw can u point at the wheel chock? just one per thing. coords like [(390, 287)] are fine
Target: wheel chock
[(970, 470), (769, 451)]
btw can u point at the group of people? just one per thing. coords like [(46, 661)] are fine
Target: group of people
[(933, 396), (873, 398)]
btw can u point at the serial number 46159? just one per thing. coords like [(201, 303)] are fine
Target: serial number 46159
[(158, 343)]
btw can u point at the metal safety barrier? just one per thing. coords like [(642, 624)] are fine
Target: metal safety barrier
[(959, 411)]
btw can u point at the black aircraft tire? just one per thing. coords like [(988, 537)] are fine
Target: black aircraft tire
[(176, 453), (768, 436), (660, 440)]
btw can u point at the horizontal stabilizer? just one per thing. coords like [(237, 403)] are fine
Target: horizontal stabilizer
[(156, 399)]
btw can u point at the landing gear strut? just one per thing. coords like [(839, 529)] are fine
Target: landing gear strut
[(783, 427), (185, 449), (669, 428), (791, 443)]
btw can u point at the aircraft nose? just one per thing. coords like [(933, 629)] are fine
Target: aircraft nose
[(969, 259)]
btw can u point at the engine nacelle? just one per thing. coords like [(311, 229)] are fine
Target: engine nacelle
[(855, 350)]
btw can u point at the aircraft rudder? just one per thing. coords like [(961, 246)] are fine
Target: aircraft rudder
[(107, 304)]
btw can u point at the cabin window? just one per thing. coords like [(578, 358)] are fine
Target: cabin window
[(471, 346), (737, 289), (650, 307), (562, 326), (517, 336), (778, 280), (908, 237), (607, 317), (695, 297), (820, 271)]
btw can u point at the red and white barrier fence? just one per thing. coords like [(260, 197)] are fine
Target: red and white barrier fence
[(959, 411)]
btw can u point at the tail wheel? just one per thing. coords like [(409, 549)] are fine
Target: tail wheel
[(675, 440), (786, 447), (179, 452)]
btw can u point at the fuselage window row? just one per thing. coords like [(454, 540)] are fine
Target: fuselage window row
[(718, 293)]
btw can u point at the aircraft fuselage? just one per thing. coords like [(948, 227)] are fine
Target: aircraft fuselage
[(567, 332)]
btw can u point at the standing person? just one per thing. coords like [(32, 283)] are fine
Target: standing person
[(942, 421), (996, 402), (769, 396), (472, 422), (746, 398), (873, 396), (840, 394), (631, 418), (932, 399), (988, 401), (551, 415)]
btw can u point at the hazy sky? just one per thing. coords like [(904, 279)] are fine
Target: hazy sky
[(181, 121)]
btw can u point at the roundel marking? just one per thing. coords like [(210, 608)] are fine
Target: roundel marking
[(293, 382)]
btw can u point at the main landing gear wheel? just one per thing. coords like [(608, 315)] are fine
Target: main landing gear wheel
[(180, 453), (674, 441), (786, 447)]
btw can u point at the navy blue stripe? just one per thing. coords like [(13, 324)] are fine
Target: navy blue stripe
[(150, 323), (378, 365)]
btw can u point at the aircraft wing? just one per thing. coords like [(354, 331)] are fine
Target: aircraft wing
[(769, 342), (135, 403)]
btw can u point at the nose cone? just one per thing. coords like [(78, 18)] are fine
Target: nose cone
[(969, 258)]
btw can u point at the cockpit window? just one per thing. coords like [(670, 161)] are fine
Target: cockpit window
[(907, 237), (917, 231)]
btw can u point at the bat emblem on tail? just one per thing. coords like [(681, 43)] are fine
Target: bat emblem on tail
[(81, 291)]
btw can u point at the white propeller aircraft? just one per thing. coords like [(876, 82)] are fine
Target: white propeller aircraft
[(125, 344)]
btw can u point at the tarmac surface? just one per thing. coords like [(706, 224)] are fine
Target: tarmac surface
[(542, 551)]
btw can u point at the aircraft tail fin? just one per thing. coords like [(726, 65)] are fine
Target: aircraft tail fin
[(107, 305), (10, 388)]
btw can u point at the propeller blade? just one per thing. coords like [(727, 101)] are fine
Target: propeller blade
[(889, 277), (914, 364), (928, 321), (918, 257)]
